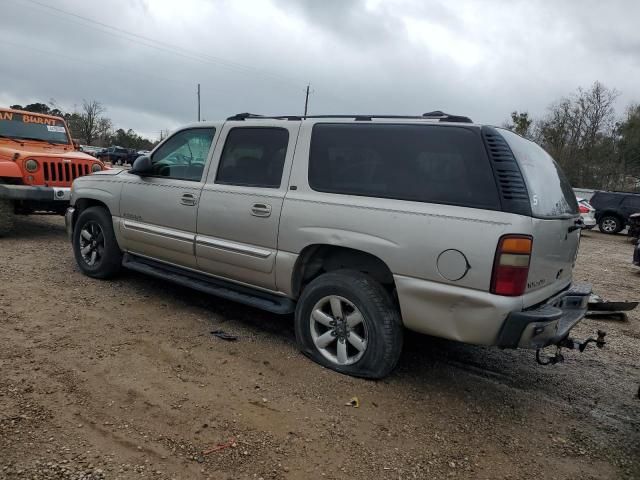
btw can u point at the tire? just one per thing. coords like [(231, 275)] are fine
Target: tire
[(96, 223), (610, 224), (381, 326), (7, 217)]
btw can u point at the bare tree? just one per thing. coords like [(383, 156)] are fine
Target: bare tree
[(91, 120), (578, 132)]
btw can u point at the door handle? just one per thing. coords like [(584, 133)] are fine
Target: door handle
[(260, 210), (188, 199)]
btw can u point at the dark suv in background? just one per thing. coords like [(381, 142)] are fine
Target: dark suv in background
[(613, 209)]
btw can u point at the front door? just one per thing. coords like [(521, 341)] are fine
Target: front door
[(240, 204), (159, 209)]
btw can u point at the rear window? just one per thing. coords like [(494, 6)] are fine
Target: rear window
[(550, 192), (424, 163)]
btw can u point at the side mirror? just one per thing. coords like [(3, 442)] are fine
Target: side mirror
[(141, 166)]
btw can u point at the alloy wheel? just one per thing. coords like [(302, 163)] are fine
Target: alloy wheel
[(609, 225), (338, 330), (91, 243)]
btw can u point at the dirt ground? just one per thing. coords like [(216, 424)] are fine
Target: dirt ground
[(123, 379)]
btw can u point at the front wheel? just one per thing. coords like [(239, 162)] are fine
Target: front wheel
[(346, 321), (610, 224), (94, 244)]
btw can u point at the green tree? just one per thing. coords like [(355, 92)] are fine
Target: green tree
[(521, 123)]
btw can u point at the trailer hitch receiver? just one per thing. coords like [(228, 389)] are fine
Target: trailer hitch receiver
[(570, 344)]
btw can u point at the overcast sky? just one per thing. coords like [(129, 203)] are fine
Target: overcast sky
[(143, 58)]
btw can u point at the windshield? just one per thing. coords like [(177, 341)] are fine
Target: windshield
[(550, 192), (32, 127)]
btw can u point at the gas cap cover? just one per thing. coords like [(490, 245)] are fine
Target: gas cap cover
[(453, 265)]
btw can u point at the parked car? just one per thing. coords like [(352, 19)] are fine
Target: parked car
[(38, 162), (613, 210), (360, 225), (115, 155), (588, 213)]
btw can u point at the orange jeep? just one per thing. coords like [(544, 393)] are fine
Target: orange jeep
[(38, 162)]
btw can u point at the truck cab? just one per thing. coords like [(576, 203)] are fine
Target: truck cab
[(38, 163)]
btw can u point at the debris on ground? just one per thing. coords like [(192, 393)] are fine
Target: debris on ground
[(602, 309), (229, 337), (221, 446), (354, 402)]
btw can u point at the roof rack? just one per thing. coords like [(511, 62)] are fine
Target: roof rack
[(435, 115)]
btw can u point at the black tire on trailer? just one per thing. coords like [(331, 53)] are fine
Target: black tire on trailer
[(346, 321), (94, 244)]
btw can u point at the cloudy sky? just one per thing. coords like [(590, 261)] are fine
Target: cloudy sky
[(143, 58)]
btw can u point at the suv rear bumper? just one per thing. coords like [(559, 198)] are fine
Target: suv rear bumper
[(38, 194), (546, 324)]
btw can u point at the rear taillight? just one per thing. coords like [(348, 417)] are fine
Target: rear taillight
[(511, 265), (583, 209)]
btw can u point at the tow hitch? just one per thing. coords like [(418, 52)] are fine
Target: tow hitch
[(570, 344)]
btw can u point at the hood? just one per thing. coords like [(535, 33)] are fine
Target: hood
[(50, 151)]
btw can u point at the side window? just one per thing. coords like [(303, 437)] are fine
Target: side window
[(184, 155), (253, 157), (422, 163), (632, 202)]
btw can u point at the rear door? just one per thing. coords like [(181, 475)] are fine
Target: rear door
[(630, 205), (554, 211), (239, 213)]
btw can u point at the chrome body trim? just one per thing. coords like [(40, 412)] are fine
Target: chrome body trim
[(232, 246), (155, 230)]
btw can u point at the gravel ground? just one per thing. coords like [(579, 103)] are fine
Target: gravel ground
[(123, 379)]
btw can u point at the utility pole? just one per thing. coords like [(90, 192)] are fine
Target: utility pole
[(198, 102), (306, 100)]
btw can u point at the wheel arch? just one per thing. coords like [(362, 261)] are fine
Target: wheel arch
[(317, 259), (614, 214), (83, 203)]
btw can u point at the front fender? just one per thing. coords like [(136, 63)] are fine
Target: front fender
[(88, 188), (9, 170)]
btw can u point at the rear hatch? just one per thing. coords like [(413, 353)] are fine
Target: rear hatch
[(555, 214)]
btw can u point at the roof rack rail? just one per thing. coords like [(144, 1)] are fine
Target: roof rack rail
[(446, 117), (245, 116), (435, 115)]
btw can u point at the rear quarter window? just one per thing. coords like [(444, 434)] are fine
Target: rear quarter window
[(424, 163), (550, 192)]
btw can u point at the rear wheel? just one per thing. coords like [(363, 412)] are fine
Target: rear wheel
[(94, 244), (610, 224), (346, 321), (7, 216)]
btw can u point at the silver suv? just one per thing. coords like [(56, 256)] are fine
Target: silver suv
[(361, 225)]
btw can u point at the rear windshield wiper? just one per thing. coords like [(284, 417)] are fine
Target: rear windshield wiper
[(11, 138)]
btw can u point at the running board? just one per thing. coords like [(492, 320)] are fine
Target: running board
[(212, 286)]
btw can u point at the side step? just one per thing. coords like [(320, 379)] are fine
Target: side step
[(212, 286)]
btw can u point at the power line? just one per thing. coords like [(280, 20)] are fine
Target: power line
[(174, 49), (88, 62), (164, 46)]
